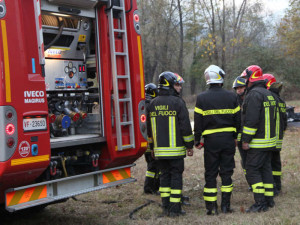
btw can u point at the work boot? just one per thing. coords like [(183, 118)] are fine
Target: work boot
[(270, 201), (165, 211), (175, 210), (211, 208), (225, 205), (258, 207)]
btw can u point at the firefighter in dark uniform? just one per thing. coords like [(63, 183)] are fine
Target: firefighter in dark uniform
[(281, 124), (259, 138), (172, 136), (239, 86), (217, 119), (151, 184)]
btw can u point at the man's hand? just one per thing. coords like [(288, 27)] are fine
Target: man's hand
[(245, 146), (190, 152), (199, 146)]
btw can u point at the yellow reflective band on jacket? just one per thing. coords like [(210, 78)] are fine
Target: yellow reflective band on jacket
[(228, 188), (267, 123), (269, 193), (150, 174), (172, 131), (262, 143), (217, 111), (268, 185), (210, 199), (188, 138), (176, 191), (210, 190), (175, 200), (164, 189), (165, 195), (169, 151), (239, 136), (248, 130), (153, 126), (218, 130), (276, 173)]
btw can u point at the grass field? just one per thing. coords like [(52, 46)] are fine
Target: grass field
[(112, 206)]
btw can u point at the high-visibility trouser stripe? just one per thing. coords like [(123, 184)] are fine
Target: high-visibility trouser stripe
[(172, 131), (210, 194), (269, 189), (245, 172), (239, 136), (150, 174), (217, 111), (248, 130), (258, 188), (153, 126), (218, 130), (175, 200), (188, 138), (164, 192), (267, 123), (176, 191), (228, 188), (276, 173)]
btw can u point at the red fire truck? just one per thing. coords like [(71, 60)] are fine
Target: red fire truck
[(72, 110)]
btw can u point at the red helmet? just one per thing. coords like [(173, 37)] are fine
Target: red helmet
[(252, 73), (270, 79)]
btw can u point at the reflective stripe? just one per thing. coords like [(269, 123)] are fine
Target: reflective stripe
[(268, 185), (268, 145), (210, 199), (269, 193), (164, 189), (172, 131), (239, 136), (228, 188), (188, 138), (260, 184), (217, 111), (259, 191), (150, 174), (262, 143), (210, 190), (250, 131), (276, 173), (164, 195), (197, 110), (176, 191), (169, 151), (267, 123), (175, 200), (245, 172), (153, 126), (225, 129)]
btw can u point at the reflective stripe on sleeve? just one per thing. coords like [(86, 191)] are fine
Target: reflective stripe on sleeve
[(188, 138), (248, 130)]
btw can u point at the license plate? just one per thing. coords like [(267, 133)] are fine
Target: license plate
[(33, 124)]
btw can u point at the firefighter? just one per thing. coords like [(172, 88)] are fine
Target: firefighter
[(259, 138), (281, 124), (239, 85), (217, 119), (172, 137), (151, 184)]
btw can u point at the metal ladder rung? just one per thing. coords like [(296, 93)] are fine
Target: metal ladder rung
[(119, 30), (127, 146), (124, 99), (118, 8), (126, 123), (121, 53), (122, 77)]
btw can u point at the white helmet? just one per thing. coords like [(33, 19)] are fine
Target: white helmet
[(214, 75)]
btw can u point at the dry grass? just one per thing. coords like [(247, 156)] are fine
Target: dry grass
[(112, 206)]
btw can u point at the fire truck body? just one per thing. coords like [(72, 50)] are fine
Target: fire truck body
[(71, 96)]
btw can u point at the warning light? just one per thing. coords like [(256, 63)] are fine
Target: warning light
[(10, 129), (143, 118), (136, 18), (10, 142), (83, 68), (80, 68)]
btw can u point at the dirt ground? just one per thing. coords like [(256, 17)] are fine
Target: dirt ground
[(113, 206)]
